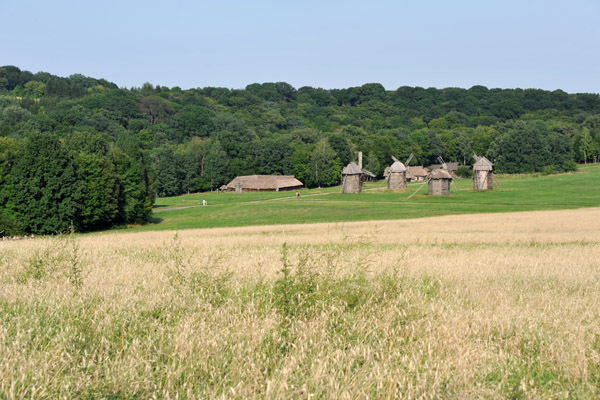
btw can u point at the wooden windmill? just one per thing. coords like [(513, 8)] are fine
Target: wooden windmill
[(351, 178), (396, 178), (438, 181), (483, 177)]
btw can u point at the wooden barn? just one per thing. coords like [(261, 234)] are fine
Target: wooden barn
[(352, 178), (264, 183), (439, 183), (482, 173)]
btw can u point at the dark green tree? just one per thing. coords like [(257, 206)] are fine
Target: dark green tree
[(42, 191), (168, 172), (99, 202), (372, 164), (323, 168), (155, 108), (135, 194), (216, 166), (340, 145), (522, 148)]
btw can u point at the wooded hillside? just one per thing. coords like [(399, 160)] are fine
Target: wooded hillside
[(81, 152)]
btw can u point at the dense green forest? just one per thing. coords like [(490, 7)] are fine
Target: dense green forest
[(81, 152)]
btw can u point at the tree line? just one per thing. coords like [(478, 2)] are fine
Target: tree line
[(81, 151)]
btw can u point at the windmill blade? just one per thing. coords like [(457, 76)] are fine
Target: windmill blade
[(476, 157), (442, 163), (408, 160), (453, 186), (417, 191), (395, 159), (385, 180), (495, 180)]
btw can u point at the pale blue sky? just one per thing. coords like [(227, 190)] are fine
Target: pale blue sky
[(330, 44)]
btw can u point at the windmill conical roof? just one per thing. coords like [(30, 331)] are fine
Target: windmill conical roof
[(483, 164), (351, 169), (397, 167), (440, 174)]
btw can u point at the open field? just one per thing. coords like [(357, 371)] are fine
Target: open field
[(473, 306), (517, 193)]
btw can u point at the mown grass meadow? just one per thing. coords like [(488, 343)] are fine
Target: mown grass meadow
[(516, 193)]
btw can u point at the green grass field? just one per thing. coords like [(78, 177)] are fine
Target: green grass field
[(516, 193)]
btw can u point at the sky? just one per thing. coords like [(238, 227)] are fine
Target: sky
[(329, 44)]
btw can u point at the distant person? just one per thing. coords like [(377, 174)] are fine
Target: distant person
[(297, 193), (204, 203)]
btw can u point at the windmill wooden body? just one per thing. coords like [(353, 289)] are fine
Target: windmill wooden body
[(396, 179), (352, 178), (483, 177), (440, 180), (439, 183)]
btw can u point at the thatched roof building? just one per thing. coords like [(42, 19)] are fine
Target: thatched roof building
[(369, 175), (352, 178), (265, 183), (418, 173), (451, 167), (439, 183)]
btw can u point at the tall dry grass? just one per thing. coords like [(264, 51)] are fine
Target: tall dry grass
[(483, 306)]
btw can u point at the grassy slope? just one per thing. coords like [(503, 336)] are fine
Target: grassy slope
[(517, 193)]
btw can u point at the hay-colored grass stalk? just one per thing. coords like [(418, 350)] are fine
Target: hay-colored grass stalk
[(484, 306)]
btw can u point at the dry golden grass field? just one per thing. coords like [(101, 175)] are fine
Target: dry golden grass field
[(470, 306)]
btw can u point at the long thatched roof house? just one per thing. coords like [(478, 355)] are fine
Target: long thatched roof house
[(418, 173), (265, 183)]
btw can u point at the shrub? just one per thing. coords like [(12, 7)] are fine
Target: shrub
[(569, 166), (549, 169), (9, 226), (464, 172)]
